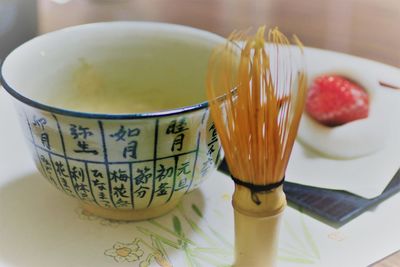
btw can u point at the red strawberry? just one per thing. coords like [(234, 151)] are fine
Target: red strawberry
[(333, 100)]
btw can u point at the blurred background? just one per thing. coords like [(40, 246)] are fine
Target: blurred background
[(366, 28)]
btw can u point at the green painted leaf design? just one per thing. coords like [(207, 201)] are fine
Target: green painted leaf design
[(157, 245), (196, 228), (292, 252), (221, 238), (215, 249), (190, 262), (197, 210), (163, 239), (310, 240), (302, 248), (296, 237), (171, 232), (177, 226)]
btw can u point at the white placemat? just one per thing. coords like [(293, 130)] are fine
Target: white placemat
[(39, 226)]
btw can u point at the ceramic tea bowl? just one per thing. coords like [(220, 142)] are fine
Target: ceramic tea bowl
[(119, 165)]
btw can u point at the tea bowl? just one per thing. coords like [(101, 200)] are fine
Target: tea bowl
[(121, 165)]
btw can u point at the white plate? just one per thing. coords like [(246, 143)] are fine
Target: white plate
[(375, 138)]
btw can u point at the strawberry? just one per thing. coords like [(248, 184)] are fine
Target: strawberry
[(334, 100)]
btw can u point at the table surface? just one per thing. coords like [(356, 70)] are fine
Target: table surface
[(366, 28)]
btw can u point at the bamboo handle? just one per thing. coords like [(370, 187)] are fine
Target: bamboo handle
[(257, 227)]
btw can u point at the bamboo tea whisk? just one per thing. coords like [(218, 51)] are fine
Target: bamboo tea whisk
[(256, 92)]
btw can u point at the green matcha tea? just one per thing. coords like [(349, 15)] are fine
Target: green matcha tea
[(150, 81)]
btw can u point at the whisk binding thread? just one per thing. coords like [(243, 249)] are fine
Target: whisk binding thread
[(255, 188)]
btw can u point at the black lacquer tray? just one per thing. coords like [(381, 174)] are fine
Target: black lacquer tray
[(334, 207)]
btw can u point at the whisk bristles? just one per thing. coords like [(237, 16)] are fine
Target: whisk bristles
[(256, 90)]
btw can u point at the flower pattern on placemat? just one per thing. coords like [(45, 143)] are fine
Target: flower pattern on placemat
[(85, 215), (213, 248), (125, 252), (157, 238)]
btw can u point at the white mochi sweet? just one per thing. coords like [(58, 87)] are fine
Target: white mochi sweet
[(354, 139)]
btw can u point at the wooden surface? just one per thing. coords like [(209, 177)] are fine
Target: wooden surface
[(392, 260), (367, 28)]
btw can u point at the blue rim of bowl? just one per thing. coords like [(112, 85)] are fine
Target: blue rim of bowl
[(117, 116)]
